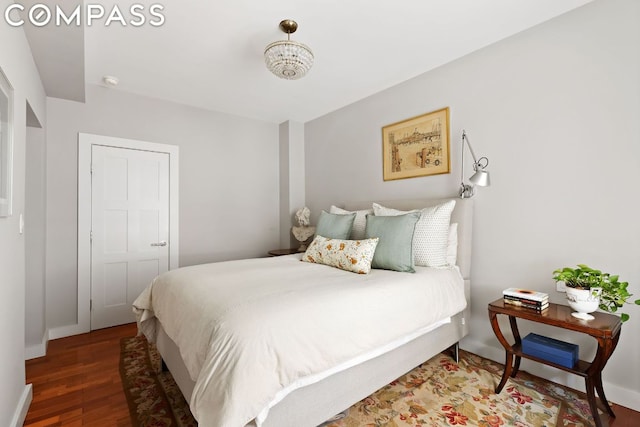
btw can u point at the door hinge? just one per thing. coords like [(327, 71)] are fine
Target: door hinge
[(90, 305), (91, 236)]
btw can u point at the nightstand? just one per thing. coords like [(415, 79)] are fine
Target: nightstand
[(605, 328), (280, 252)]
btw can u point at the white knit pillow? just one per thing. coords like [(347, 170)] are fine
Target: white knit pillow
[(431, 234), (452, 244), (359, 223)]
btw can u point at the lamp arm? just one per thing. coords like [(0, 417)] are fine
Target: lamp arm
[(465, 138), (466, 190), (473, 155)]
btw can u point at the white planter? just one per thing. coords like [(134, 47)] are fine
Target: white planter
[(583, 301)]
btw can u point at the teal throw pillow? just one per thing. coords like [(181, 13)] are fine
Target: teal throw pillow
[(395, 248), (335, 226)]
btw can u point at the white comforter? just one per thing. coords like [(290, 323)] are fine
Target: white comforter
[(251, 331)]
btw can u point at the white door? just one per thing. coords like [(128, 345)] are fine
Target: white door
[(129, 229)]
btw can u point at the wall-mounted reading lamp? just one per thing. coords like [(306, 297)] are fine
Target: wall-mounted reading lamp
[(480, 177)]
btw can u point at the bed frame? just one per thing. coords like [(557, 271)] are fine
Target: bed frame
[(314, 404)]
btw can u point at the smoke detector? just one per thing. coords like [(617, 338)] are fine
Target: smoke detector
[(110, 81)]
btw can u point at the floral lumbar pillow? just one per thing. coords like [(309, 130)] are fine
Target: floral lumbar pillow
[(348, 255)]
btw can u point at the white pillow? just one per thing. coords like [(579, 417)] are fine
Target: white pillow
[(431, 235), (452, 244), (359, 223), (348, 255)]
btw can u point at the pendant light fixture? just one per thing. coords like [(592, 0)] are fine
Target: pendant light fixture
[(288, 59)]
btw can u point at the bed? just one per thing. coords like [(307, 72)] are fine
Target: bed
[(312, 384)]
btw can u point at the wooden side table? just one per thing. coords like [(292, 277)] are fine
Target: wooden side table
[(605, 328), (280, 252)]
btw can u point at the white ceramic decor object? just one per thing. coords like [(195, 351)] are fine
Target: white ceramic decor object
[(302, 234), (583, 301)]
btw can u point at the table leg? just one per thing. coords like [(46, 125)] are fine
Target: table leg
[(508, 366), (594, 377), (610, 349), (516, 367), (603, 398), (508, 363), (518, 341), (591, 398)]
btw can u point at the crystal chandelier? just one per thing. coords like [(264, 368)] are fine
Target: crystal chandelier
[(288, 59)]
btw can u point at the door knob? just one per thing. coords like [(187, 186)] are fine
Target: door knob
[(161, 243)]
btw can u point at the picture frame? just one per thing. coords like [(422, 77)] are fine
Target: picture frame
[(6, 145), (417, 147)]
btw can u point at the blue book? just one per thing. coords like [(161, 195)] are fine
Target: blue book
[(556, 351)]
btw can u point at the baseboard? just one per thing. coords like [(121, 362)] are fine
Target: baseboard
[(23, 407), (37, 350), (622, 396), (67, 331), (619, 395)]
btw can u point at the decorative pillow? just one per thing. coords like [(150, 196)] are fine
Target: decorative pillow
[(359, 223), (335, 226), (395, 250), (432, 232), (452, 244), (348, 255)]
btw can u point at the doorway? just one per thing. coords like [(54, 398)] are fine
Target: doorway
[(127, 224)]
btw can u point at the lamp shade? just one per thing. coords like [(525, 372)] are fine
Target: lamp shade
[(480, 178)]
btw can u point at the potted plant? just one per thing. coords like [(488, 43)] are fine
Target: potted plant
[(612, 296)]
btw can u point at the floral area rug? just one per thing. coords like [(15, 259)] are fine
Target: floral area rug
[(153, 396), (441, 392), (437, 393)]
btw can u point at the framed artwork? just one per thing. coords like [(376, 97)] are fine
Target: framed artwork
[(6, 144), (416, 147)]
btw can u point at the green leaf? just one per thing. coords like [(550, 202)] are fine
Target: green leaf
[(624, 317)]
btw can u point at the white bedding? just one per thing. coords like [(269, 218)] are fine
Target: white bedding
[(251, 331)]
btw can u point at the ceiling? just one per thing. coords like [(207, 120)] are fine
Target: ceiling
[(209, 53)]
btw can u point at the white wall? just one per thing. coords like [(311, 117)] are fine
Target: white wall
[(18, 66), (228, 181), (556, 110), (35, 222), (292, 179)]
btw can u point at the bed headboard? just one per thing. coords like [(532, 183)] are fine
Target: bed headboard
[(462, 214)]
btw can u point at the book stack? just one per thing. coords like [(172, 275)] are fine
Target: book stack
[(534, 300)]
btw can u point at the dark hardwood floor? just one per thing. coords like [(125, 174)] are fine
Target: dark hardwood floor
[(78, 383)]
